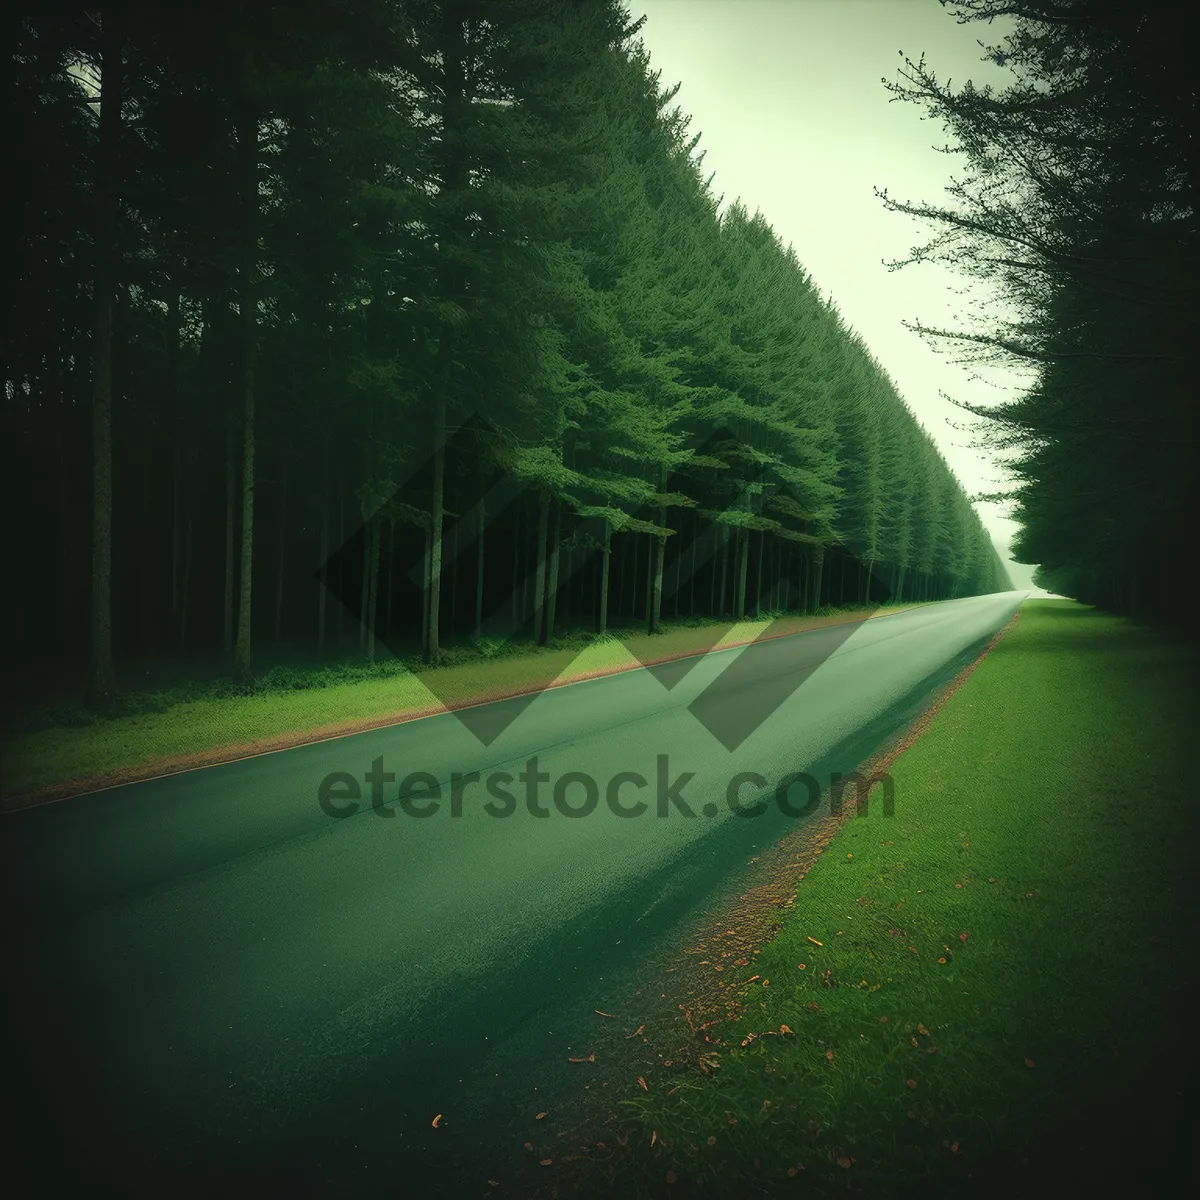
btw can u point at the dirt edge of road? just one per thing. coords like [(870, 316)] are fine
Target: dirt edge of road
[(161, 768)]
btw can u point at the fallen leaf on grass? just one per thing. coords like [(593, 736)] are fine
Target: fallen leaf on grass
[(784, 1029), (962, 937), (539, 1116), (602, 1014), (436, 1120), (547, 1161), (922, 1030), (653, 1136), (911, 1084), (753, 978), (845, 1162), (741, 962), (643, 1083), (815, 942), (635, 1032), (814, 1006), (528, 1145), (829, 1055), (589, 1058), (493, 1183)]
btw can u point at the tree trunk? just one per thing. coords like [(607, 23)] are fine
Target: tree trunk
[(743, 564), (391, 574), (67, 559), (539, 587), (712, 578), (248, 145), (605, 564), (186, 585), (101, 676), (455, 180), (530, 550), (692, 576), (364, 588), (655, 566), (655, 563), (341, 608), (373, 585), (479, 561), (818, 576), (455, 576), (425, 581), (518, 583), (283, 513), (758, 575), (147, 536), (552, 574), (566, 598), (230, 518), (433, 647), (322, 595), (621, 565), (174, 401), (648, 591), (722, 610)]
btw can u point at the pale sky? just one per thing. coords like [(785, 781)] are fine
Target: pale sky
[(788, 98)]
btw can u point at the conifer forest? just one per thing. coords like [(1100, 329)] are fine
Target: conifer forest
[(364, 324)]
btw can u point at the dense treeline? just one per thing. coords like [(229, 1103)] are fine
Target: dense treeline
[(1082, 202), (431, 298)]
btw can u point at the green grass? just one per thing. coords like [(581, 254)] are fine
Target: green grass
[(1047, 814), (71, 743)]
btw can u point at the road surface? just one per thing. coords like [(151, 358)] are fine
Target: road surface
[(245, 974)]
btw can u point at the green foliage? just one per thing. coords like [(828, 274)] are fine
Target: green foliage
[(488, 214), (1080, 203)]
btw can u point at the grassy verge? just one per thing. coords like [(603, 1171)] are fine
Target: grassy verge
[(54, 752), (987, 993)]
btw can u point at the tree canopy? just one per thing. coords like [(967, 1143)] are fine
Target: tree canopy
[(429, 308)]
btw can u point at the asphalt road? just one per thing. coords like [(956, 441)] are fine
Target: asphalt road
[(215, 979)]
